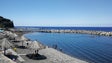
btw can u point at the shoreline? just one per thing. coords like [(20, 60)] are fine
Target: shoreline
[(57, 52), (53, 55), (68, 32)]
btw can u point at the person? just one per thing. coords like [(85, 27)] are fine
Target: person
[(60, 49), (27, 43), (15, 49), (36, 51), (55, 46), (5, 50)]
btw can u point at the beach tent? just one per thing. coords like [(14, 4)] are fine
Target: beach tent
[(5, 44)]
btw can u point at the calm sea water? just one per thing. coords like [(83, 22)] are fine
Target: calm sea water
[(91, 48), (70, 28)]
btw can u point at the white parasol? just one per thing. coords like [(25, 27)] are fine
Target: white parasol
[(36, 46), (23, 38), (5, 44)]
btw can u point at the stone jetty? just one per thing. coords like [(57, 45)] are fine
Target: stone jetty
[(102, 33)]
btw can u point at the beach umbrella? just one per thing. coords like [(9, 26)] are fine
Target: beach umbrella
[(23, 38), (18, 38), (26, 43), (2, 35), (36, 46), (13, 35), (5, 44)]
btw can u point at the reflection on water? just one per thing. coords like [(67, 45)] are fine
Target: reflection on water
[(92, 48)]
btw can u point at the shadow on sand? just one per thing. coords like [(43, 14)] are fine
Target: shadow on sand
[(36, 56), (21, 47)]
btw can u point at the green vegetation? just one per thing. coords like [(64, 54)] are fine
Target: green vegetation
[(6, 23)]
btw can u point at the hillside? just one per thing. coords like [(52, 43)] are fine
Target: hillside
[(6, 23)]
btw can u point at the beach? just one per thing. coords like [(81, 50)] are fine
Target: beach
[(52, 55)]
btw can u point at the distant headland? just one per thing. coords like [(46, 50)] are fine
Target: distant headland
[(6, 23)]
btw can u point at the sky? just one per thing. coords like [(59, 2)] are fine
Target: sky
[(58, 12)]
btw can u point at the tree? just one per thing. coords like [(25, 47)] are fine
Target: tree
[(6, 23)]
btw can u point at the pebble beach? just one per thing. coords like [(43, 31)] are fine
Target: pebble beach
[(52, 55)]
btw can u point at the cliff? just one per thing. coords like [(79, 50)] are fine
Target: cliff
[(6, 23)]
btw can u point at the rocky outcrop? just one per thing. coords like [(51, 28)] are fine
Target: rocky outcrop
[(6, 23)]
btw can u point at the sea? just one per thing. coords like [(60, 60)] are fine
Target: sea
[(90, 48), (108, 29)]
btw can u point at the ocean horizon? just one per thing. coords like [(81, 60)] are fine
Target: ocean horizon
[(108, 29)]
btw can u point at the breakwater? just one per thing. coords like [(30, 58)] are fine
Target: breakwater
[(102, 33)]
